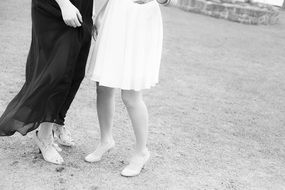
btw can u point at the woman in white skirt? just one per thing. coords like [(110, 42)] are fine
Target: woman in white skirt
[(126, 55)]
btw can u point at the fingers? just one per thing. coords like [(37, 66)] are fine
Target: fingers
[(94, 32), (73, 22), (71, 15), (76, 22), (69, 23), (79, 16)]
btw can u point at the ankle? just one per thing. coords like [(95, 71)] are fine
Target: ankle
[(45, 131), (44, 136), (142, 151), (107, 140)]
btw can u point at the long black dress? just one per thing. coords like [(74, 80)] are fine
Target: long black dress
[(54, 70)]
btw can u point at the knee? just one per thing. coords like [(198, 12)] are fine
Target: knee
[(105, 92), (131, 99)]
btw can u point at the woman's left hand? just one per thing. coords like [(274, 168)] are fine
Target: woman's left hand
[(94, 32), (142, 1)]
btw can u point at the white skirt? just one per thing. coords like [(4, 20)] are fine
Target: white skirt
[(127, 52)]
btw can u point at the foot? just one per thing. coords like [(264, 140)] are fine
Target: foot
[(136, 164), (48, 149), (62, 135), (101, 149)]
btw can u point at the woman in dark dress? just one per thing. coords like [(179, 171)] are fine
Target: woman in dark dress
[(61, 34)]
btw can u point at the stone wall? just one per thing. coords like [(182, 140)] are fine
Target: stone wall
[(243, 11)]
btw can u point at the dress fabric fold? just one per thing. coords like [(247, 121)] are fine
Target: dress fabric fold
[(55, 68)]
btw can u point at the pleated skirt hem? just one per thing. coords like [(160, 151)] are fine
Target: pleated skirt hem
[(123, 87)]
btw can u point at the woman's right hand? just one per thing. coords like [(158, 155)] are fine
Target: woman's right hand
[(70, 14)]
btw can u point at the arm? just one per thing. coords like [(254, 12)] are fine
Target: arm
[(94, 9), (70, 14), (98, 19)]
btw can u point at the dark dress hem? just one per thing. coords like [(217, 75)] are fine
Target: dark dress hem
[(31, 129), (54, 69)]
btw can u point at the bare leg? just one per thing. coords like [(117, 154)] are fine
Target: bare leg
[(105, 111), (45, 131), (138, 113)]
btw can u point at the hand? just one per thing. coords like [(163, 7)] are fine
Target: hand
[(97, 20), (94, 32), (96, 26), (70, 14), (94, 18), (142, 1)]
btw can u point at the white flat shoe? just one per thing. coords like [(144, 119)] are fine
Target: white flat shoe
[(97, 155), (136, 164), (62, 135), (48, 150), (57, 148)]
